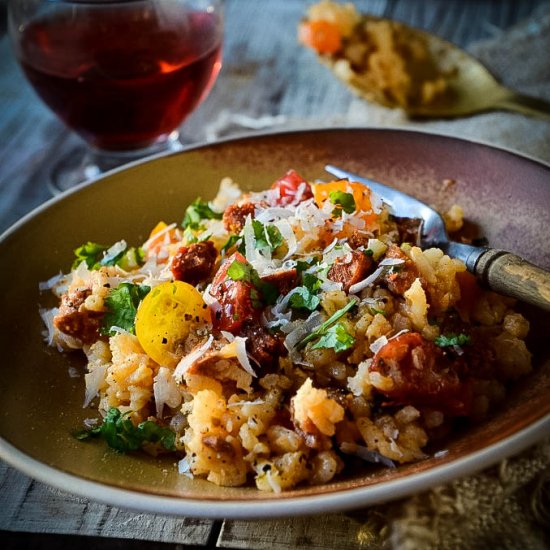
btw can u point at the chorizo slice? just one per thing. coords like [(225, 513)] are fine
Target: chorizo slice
[(73, 319), (262, 346), (284, 280), (401, 277), (194, 263), (234, 216), (351, 269)]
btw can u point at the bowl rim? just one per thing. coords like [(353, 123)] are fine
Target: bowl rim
[(336, 501)]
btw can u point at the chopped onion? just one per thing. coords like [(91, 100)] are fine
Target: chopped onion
[(207, 297), (51, 282), (189, 359), (184, 468)]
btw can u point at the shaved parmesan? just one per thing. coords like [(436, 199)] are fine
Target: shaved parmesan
[(165, 391), (373, 277), (94, 381), (378, 344), (242, 356)]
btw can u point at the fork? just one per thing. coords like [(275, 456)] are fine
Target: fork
[(501, 271)]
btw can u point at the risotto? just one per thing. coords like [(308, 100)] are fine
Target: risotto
[(386, 60), (284, 336)]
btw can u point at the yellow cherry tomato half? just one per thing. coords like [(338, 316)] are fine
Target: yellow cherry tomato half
[(166, 317), (361, 195)]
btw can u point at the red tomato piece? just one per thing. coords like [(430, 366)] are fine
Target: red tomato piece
[(288, 189), (422, 375)]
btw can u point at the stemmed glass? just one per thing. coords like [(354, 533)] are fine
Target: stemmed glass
[(123, 74)]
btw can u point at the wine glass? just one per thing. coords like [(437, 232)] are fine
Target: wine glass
[(123, 74)]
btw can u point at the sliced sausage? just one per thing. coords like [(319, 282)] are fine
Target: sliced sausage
[(234, 216), (285, 280), (75, 320), (194, 263), (351, 269), (401, 277), (262, 346)]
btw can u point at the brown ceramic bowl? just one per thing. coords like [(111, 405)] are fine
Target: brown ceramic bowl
[(505, 196)]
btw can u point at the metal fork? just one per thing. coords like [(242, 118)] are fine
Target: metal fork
[(501, 271)]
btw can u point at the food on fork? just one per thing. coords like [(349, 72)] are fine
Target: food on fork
[(286, 336), (386, 61)]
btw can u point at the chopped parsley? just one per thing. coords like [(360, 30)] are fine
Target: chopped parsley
[(197, 211), (241, 271), (122, 303), (91, 253), (96, 256), (335, 337), (323, 328), (120, 433), (450, 340), (342, 201), (232, 241), (268, 237), (304, 298)]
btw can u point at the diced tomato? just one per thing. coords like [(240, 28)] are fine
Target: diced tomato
[(323, 36), (291, 188), (234, 303), (422, 375)]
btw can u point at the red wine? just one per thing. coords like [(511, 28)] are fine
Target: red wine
[(123, 78)]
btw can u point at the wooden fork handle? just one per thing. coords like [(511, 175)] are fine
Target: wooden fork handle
[(509, 274)]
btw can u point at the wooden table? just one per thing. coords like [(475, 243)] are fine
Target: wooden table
[(265, 74)]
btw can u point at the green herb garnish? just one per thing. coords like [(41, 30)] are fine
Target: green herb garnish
[(233, 240), (120, 433), (449, 340), (240, 271), (343, 201), (95, 257), (268, 237), (122, 303), (91, 253), (335, 337), (322, 329), (304, 298), (197, 211)]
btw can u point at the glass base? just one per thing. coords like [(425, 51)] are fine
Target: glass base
[(85, 164)]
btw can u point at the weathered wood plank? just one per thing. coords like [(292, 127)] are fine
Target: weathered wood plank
[(319, 532), (37, 508)]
